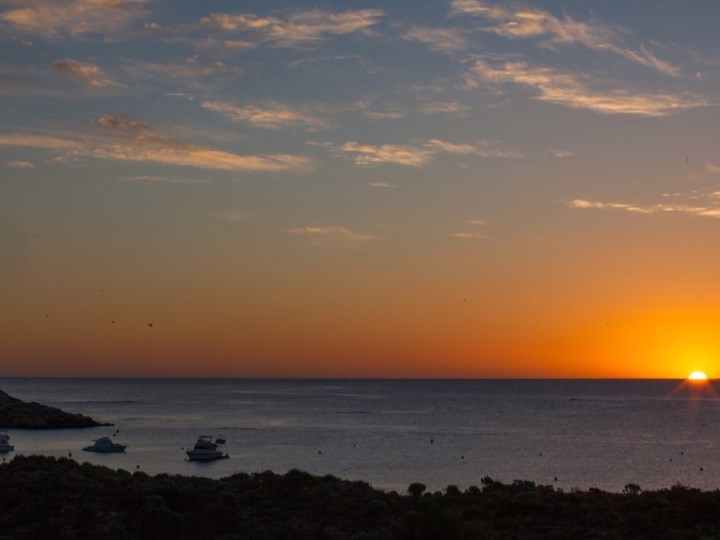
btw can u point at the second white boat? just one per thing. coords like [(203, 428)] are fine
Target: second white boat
[(205, 450)]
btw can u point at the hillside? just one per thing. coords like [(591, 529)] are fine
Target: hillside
[(17, 414)]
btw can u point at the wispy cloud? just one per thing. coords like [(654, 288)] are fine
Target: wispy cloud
[(710, 208), (20, 165), (331, 234), (582, 203), (447, 40), (190, 71), (383, 185), (122, 123), (414, 156), (51, 19), (125, 139), (366, 154), (444, 107), (298, 28), (573, 91), (39, 141), (266, 115), (481, 148), (473, 234), (86, 73), (713, 168), (164, 179), (334, 58), (386, 112), (21, 42), (237, 44), (520, 21), (470, 235)]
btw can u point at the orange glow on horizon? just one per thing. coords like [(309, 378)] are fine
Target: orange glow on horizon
[(453, 328)]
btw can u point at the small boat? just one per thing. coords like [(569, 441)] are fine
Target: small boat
[(205, 450), (5, 445), (105, 446), (220, 439)]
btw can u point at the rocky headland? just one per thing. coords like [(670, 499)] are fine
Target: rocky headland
[(17, 414)]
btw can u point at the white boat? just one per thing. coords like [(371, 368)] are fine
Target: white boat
[(106, 446), (5, 445), (205, 450)]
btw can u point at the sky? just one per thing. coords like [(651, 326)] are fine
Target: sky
[(462, 188)]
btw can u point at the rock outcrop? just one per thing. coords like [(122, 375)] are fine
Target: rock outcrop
[(17, 414)]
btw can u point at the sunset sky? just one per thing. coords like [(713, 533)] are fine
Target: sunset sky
[(415, 188)]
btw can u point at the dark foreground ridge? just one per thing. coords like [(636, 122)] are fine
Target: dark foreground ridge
[(48, 498), (15, 413)]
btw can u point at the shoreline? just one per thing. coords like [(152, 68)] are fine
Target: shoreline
[(45, 497)]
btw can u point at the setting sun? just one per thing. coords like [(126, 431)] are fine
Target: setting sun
[(697, 376)]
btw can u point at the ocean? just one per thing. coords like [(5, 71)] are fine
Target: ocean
[(564, 433)]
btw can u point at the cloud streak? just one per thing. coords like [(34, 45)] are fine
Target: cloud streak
[(445, 107), (383, 185), (447, 40), (473, 235), (164, 179), (470, 235), (267, 115), (414, 156), (366, 154), (86, 73), (331, 234), (299, 28), (570, 90), (20, 165), (121, 138), (710, 209), (189, 71), (75, 18), (481, 148), (520, 21)]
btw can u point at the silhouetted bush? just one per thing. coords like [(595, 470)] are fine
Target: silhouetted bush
[(59, 499), (416, 489)]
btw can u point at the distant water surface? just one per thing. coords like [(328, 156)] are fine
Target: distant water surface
[(566, 433)]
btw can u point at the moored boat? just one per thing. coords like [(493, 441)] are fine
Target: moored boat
[(5, 445), (205, 450), (105, 446)]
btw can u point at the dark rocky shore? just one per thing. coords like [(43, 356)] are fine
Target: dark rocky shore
[(15, 413), (48, 498)]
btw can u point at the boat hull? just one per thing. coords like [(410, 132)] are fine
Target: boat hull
[(205, 456), (117, 450)]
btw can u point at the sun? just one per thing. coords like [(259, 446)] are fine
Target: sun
[(697, 376)]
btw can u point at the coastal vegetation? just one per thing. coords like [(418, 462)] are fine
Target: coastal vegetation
[(49, 498), (15, 413)]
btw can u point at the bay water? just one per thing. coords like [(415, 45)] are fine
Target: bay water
[(565, 433)]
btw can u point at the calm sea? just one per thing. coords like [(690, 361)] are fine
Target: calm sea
[(566, 433)]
